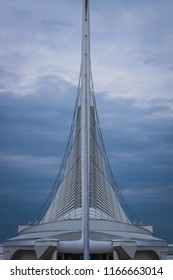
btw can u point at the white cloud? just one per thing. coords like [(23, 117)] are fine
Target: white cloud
[(136, 56), (131, 46), (29, 50), (48, 164), (150, 195)]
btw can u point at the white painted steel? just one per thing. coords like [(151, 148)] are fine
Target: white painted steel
[(85, 127)]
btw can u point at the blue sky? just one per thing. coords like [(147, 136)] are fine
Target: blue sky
[(132, 65)]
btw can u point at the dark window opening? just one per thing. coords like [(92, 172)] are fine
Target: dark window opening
[(86, 9)]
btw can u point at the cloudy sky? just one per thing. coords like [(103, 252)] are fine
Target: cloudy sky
[(132, 65)]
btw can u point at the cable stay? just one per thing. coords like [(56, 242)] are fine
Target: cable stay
[(64, 199)]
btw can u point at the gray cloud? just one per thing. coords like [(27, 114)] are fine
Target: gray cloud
[(132, 43), (139, 142), (51, 25), (160, 195)]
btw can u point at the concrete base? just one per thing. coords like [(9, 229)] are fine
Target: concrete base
[(108, 240)]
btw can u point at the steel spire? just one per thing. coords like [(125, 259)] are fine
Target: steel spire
[(85, 126)]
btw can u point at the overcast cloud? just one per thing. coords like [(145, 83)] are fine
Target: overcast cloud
[(132, 63)]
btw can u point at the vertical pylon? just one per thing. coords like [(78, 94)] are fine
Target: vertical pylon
[(85, 127), (85, 188)]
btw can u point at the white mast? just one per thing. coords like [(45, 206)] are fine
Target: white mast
[(85, 127)]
